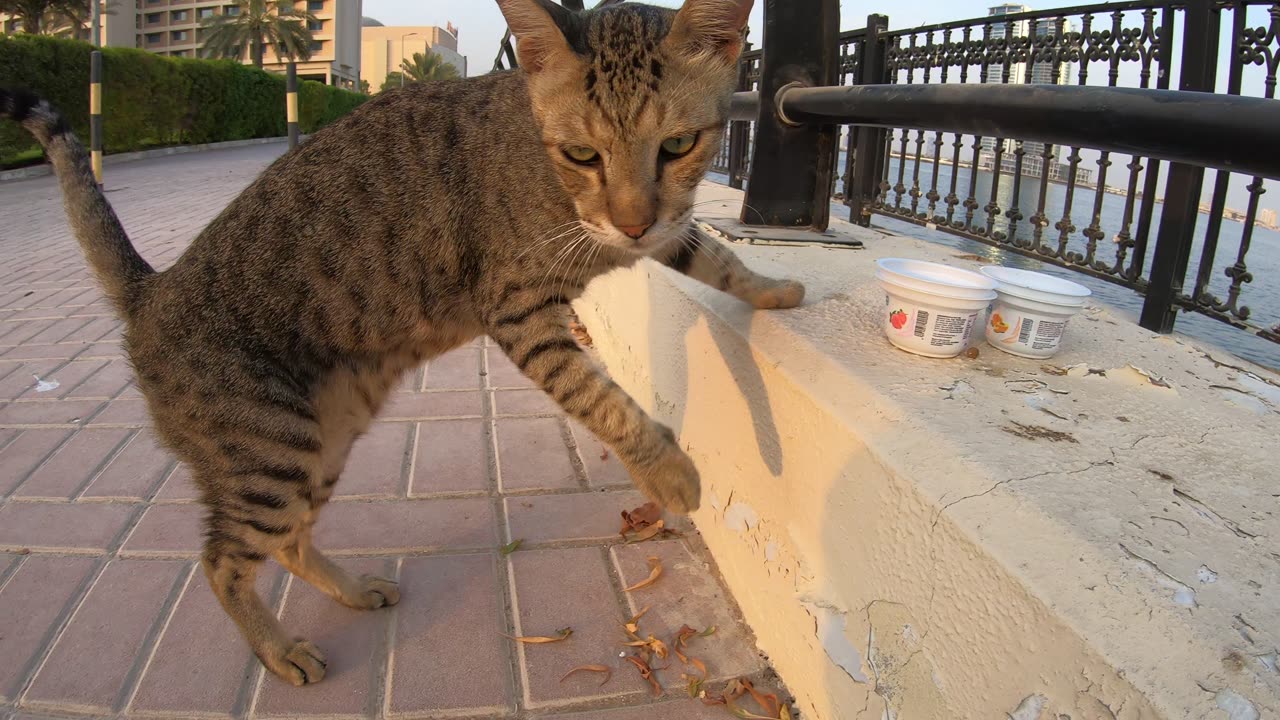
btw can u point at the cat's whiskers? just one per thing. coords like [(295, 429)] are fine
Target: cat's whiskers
[(551, 236)]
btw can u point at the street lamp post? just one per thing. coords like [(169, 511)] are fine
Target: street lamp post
[(402, 37)]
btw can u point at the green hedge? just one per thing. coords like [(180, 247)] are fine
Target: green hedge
[(151, 101)]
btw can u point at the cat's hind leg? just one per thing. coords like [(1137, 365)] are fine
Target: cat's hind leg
[(366, 592), (234, 550)]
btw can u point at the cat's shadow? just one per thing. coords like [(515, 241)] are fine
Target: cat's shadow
[(731, 335)]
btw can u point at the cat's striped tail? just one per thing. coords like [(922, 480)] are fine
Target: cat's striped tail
[(113, 258)]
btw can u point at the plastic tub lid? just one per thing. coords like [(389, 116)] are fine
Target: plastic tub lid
[(1031, 285), (935, 278)]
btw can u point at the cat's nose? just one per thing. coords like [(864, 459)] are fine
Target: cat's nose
[(634, 231)]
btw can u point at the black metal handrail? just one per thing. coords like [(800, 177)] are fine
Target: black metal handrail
[(1218, 131)]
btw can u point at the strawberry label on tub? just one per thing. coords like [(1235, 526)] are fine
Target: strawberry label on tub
[(939, 330)]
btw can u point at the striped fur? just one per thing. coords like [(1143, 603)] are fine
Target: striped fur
[(425, 218)]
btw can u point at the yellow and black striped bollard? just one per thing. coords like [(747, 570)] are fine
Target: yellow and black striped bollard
[(291, 103), (95, 114)]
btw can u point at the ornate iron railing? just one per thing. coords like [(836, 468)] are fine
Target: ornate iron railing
[(1065, 205)]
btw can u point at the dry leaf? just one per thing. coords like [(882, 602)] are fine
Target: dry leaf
[(646, 672), (510, 547), (655, 571), (768, 702), (702, 667), (590, 668), (640, 518), (561, 634), (633, 625), (785, 713), (647, 533), (695, 687), (708, 632)]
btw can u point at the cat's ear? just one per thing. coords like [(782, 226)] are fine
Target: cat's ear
[(537, 25), (711, 27)]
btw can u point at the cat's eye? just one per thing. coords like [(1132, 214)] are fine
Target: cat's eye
[(677, 146), (581, 154)]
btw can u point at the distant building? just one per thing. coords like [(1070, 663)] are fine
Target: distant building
[(382, 48), (172, 27), (1039, 73), (1267, 218)]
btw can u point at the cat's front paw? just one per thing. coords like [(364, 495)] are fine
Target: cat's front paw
[(781, 295), (671, 480)]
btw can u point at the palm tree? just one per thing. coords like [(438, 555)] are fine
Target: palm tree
[(427, 66), (259, 23), (394, 80), (36, 15)]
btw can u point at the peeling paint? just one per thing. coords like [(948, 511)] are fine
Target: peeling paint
[(741, 517), (1029, 709), (1236, 706), (714, 501), (1205, 575), (831, 624), (1183, 594)]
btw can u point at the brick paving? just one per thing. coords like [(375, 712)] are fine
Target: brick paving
[(104, 610)]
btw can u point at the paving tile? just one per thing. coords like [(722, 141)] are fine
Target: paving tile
[(449, 655), (92, 660), (416, 406), (503, 373), (352, 641), (57, 331), (69, 469), (450, 456), (180, 487), (168, 531), (532, 455), (129, 411), (688, 593), (201, 663), (31, 603), (25, 453), (46, 351), (378, 462), (62, 527), (19, 377), (107, 350), (134, 472), (95, 329), (106, 383), (396, 527), (524, 402), (67, 377), (603, 467), (24, 330), (47, 412), (455, 370), (580, 516), (542, 606)]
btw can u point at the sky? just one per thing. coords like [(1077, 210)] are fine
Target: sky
[(481, 25)]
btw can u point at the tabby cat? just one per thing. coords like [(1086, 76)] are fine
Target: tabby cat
[(429, 216)]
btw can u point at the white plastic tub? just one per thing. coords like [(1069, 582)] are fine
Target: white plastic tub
[(930, 309), (1030, 314)]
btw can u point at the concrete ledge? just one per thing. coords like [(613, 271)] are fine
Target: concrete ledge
[(1093, 537), (45, 169)]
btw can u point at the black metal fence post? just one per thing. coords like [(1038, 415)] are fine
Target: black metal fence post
[(1182, 190), (738, 132), (792, 165), (868, 142), (291, 102)]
